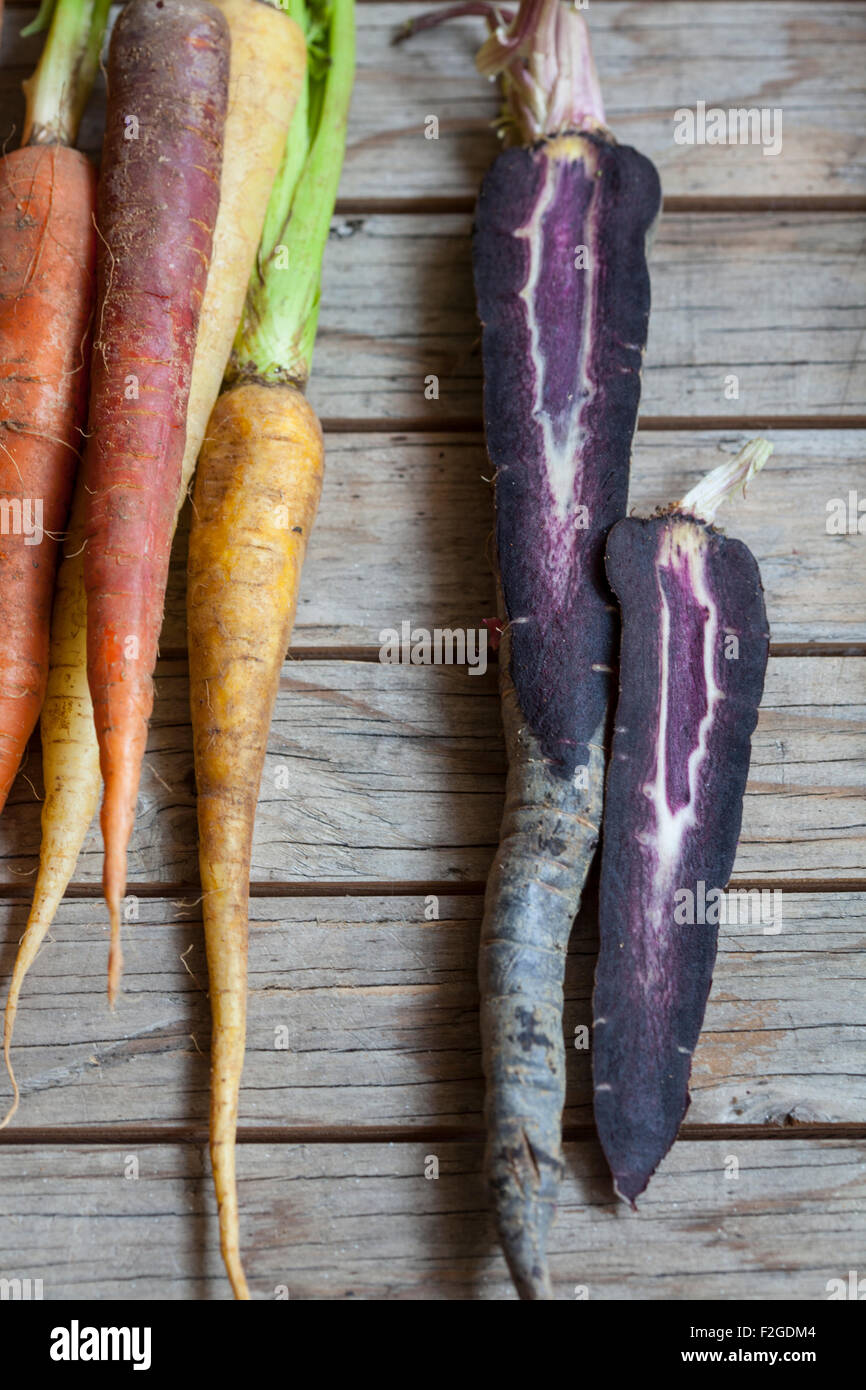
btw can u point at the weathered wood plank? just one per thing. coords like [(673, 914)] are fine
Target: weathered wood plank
[(774, 300), (405, 523), (653, 59), (388, 773), (793, 340), (363, 1222), (363, 1011), (394, 775)]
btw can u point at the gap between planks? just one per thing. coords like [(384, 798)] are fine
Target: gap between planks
[(701, 204), (151, 1135), (370, 654), (388, 888), (648, 424)]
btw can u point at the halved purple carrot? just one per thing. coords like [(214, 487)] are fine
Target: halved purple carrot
[(559, 248), (694, 653)]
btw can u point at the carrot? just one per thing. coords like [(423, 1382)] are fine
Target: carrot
[(158, 198), (559, 257), (268, 54), (256, 493), (268, 58), (694, 653), (47, 267)]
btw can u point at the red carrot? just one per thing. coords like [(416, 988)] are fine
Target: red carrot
[(158, 200)]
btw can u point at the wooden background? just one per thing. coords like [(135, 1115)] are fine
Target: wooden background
[(384, 785)]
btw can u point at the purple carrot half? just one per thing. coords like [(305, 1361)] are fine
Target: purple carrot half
[(692, 663), (559, 252)]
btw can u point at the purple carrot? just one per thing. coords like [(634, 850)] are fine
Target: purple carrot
[(692, 663), (559, 249), (563, 295)]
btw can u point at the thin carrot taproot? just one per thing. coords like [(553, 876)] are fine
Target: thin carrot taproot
[(257, 489), (268, 55), (47, 270)]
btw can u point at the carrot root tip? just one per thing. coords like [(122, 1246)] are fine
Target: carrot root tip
[(115, 955), (9, 1023)]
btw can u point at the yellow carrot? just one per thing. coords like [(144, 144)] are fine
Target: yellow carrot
[(268, 57), (256, 494)]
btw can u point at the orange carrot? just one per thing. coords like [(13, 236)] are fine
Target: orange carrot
[(47, 255), (47, 267)]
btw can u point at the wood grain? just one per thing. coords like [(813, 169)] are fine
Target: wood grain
[(391, 773), (406, 519), (385, 776), (652, 59), (399, 309), (362, 1221), (364, 1012), (804, 59)]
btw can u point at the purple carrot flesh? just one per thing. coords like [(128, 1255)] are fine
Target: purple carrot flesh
[(559, 251), (693, 657)]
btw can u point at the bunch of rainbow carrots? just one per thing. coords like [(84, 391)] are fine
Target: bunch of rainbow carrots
[(157, 322)]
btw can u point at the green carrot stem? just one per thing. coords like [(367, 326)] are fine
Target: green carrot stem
[(59, 89), (276, 336), (42, 20)]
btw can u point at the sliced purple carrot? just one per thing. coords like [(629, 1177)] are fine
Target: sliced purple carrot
[(563, 295), (693, 657), (559, 247)]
